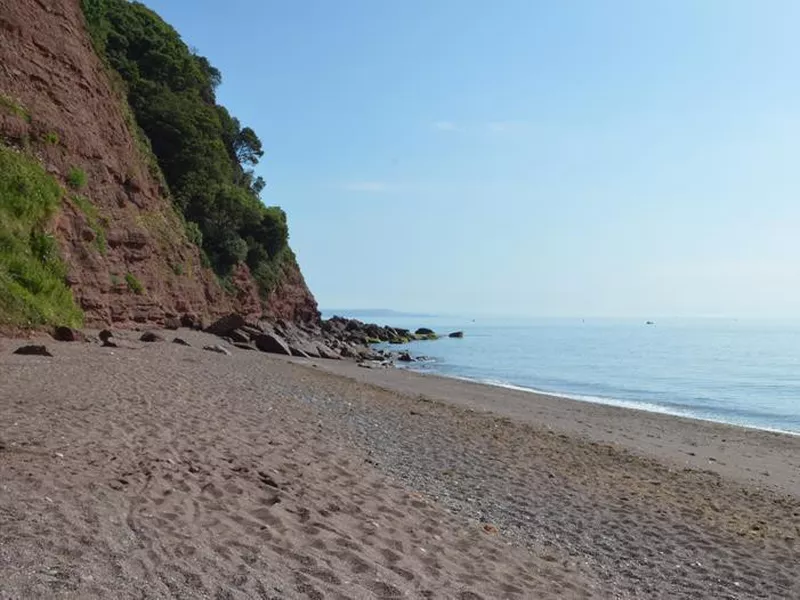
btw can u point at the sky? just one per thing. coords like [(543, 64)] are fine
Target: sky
[(520, 157)]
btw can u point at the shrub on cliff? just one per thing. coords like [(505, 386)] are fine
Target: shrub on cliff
[(206, 155), (32, 276)]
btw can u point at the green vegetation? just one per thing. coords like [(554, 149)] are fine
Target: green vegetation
[(115, 279), (32, 276), (177, 268), (11, 106), (95, 224), (76, 178), (134, 284), (51, 138), (206, 155), (426, 336)]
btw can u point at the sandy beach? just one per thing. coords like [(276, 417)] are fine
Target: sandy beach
[(164, 471)]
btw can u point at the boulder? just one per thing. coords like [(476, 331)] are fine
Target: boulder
[(405, 357), (251, 330), (68, 334), (325, 352), (238, 336), (218, 349), (425, 331), (151, 336), (226, 324), (456, 334), (304, 349), (268, 342), (354, 325), (105, 335), (348, 351), (298, 352), (191, 321), (180, 342), (172, 323), (242, 346), (33, 350)]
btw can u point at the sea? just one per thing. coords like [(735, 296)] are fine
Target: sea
[(742, 372)]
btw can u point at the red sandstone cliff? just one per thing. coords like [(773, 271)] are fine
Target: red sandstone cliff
[(76, 119)]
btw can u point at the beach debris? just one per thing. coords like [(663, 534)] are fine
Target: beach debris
[(456, 334), (218, 349), (68, 334), (172, 323), (270, 342), (33, 350), (180, 342), (151, 336)]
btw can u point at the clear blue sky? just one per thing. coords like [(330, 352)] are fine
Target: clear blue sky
[(581, 158)]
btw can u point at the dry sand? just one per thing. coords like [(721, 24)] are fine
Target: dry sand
[(164, 471)]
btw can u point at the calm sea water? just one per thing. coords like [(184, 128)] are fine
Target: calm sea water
[(733, 371)]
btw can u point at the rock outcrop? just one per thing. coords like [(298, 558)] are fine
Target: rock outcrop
[(129, 260)]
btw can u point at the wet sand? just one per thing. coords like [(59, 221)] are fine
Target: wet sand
[(162, 471)]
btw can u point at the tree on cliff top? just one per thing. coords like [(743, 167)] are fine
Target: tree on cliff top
[(206, 155)]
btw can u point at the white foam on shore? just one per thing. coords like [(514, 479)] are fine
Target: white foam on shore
[(629, 404)]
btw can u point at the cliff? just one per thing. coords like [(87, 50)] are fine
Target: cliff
[(128, 258)]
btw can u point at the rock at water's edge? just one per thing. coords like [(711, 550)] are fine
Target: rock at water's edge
[(456, 334)]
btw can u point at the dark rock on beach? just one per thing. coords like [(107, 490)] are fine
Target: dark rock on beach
[(269, 342), (151, 336), (456, 334), (224, 326), (33, 350), (68, 334)]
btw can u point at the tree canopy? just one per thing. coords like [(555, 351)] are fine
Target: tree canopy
[(206, 155)]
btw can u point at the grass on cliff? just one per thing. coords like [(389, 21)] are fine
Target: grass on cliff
[(33, 291)]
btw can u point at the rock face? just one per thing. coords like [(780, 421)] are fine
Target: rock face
[(129, 260)]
